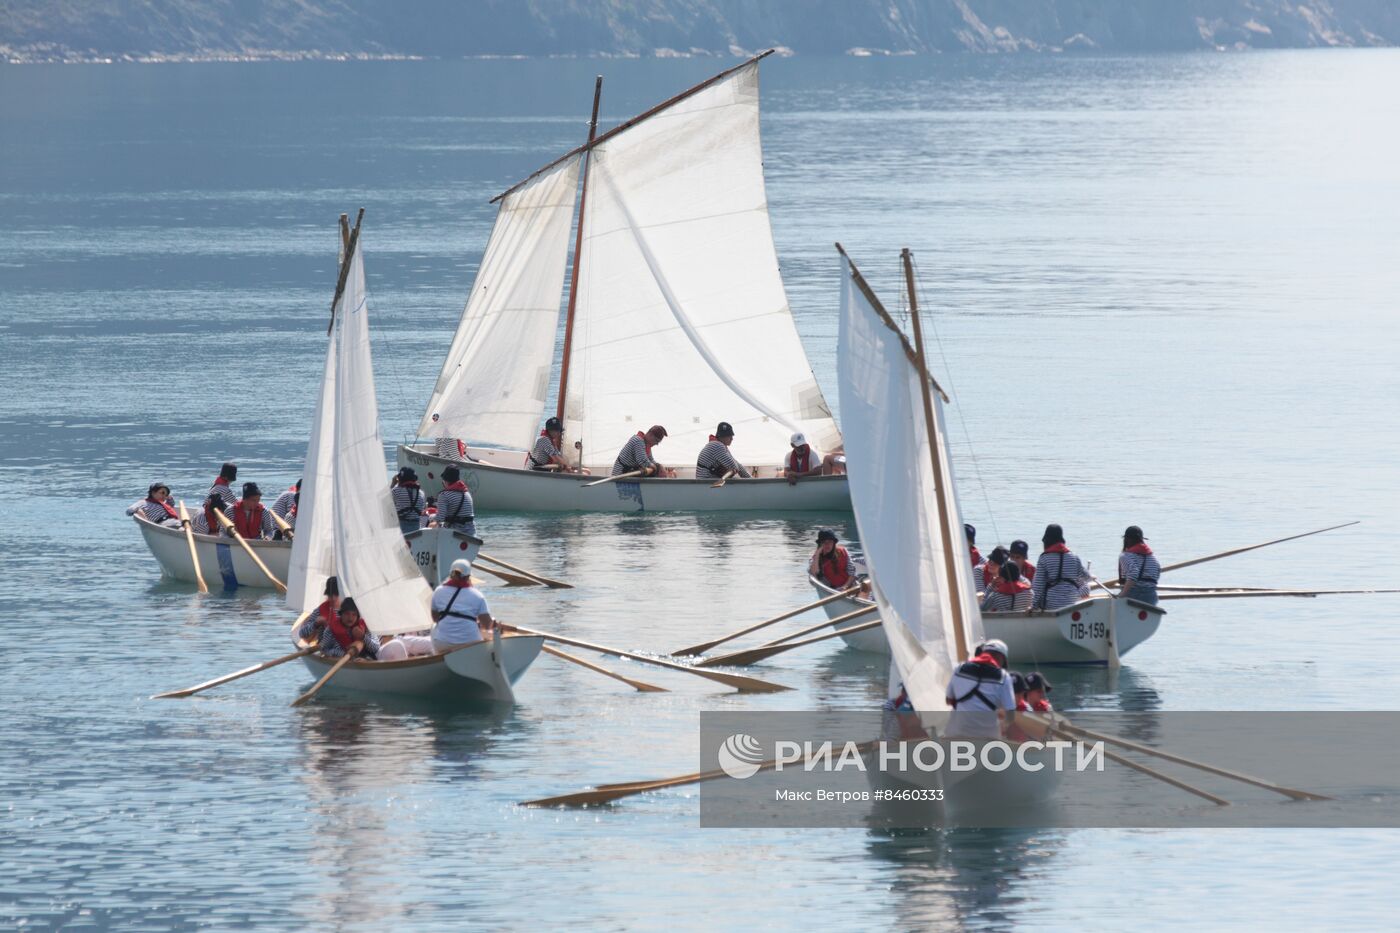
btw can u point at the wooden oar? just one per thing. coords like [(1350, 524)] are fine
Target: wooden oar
[(345, 659), (707, 645), (229, 527), (641, 685), (194, 555), (1233, 594), (510, 578), (754, 655), (722, 480), (200, 688), (1240, 550), (738, 682), (821, 625), (1201, 765), (613, 479), (281, 523), (1150, 772), (552, 584)]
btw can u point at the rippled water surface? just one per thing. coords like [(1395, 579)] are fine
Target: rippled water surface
[(1165, 293)]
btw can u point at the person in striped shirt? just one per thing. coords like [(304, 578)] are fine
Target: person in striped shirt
[(156, 506), (715, 460), (204, 522), (1020, 553), (409, 501), (1138, 568), (1009, 593), (989, 571), (454, 504), (286, 501), (635, 455), (548, 452), (228, 473), (250, 518), (1060, 576), (344, 629)]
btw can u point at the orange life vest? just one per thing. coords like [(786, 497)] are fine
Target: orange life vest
[(248, 519), (835, 568)]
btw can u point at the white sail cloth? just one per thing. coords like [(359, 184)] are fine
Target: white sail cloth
[(494, 383), (681, 317), (313, 545), (893, 483), (371, 559)]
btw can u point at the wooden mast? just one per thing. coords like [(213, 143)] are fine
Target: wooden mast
[(578, 249), (940, 488), (349, 246)]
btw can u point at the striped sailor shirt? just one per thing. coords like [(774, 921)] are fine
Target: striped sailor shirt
[(1060, 579), (153, 511), (409, 502), (1131, 567), (284, 503), (329, 647), (996, 601), (223, 492), (449, 448), (455, 508), (199, 523), (715, 460), (632, 456), (542, 456)]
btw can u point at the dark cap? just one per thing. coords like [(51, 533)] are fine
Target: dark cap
[(229, 471), (1133, 534), (1018, 682), (1010, 571), (154, 486), (1020, 548), (1054, 534), (332, 586), (553, 424), (826, 534), (657, 429), (251, 489), (408, 474), (970, 532), (999, 555), (1036, 681), (725, 429), (451, 474), (348, 605)]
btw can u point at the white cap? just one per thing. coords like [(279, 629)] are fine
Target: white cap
[(997, 645), (798, 439), (463, 565)]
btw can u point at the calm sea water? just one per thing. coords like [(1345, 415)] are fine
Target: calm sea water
[(1165, 294)]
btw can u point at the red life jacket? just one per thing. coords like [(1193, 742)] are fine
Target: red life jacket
[(798, 459), (990, 574), (1022, 706), (343, 636), (1027, 570), (248, 520), (461, 449), (1009, 588), (1043, 706), (165, 505), (210, 507), (976, 556), (835, 568)]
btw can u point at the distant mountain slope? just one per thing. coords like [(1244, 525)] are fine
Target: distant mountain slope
[(49, 30)]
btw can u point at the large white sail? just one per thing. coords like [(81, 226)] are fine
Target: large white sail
[(893, 493), (681, 316), (495, 381), (313, 545), (373, 563)]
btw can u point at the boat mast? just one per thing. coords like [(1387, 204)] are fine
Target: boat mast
[(940, 488), (578, 248), (348, 246)]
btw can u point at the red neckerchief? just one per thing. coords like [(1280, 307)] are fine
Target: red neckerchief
[(165, 505), (1060, 548), (252, 527), (1027, 568), (713, 438), (1043, 706), (1009, 588), (799, 466), (1022, 706), (1139, 548), (458, 486), (459, 584), (644, 441), (220, 481), (976, 555), (408, 484), (985, 658), (991, 573)]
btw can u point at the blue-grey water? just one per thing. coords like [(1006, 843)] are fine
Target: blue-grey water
[(1165, 292)]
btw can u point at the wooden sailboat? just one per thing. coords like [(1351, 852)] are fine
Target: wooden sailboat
[(347, 527), (220, 557), (906, 507), (676, 315)]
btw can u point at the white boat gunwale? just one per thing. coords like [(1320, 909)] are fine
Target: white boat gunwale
[(179, 532)]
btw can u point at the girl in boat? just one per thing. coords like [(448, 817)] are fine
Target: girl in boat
[(1138, 568), (285, 502), (409, 501), (250, 518), (344, 630), (228, 473), (1009, 593), (831, 563), (1060, 576), (454, 503), (156, 506), (204, 522)]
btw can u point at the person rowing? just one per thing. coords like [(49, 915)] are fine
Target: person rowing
[(635, 455), (285, 504), (228, 473), (204, 522), (714, 460), (830, 563), (980, 693), (344, 629), (250, 518), (548, 453), (454, 504), (1060, 576), (156, 506), (459, 610), (310, 630), (409, 501), (1138, 568)]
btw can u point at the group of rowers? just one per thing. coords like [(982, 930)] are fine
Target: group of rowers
[(1006, 580), (460, 615)]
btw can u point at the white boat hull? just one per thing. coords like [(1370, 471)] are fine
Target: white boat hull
[(499, 482), (434, 550), (1074, 634), (221, 559), (471, 674), (969, 797)]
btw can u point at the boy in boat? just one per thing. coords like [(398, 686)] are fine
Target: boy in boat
[(548, 453), (344, 629), (156, 506), (250, 518), (310, 630), (454, 504), (409, 501), (1138, 568), (980, 692), (228, 473), (1009, 593), (714, 460), (204, 522), (635, 455), (1020, 553), (830, 563), (1060, 576), (804, 460), (459, 609)]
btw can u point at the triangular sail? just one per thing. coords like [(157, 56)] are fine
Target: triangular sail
[(313, 545), (681, 315), (373, 563), (495, 380), (893, 493)]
